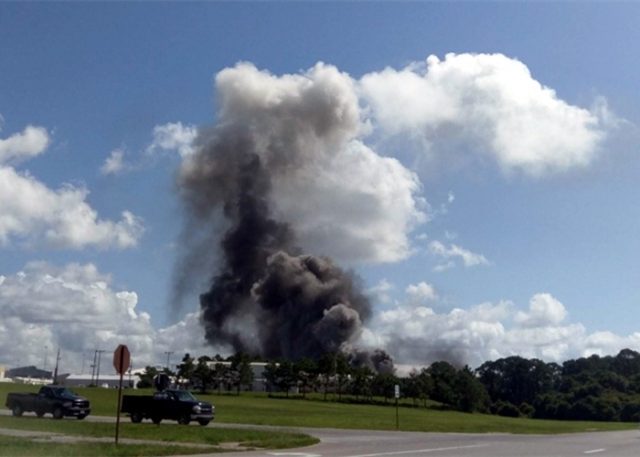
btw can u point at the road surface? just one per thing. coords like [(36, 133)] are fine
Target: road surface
[(368, 443)]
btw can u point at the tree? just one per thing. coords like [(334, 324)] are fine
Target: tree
[(146, 377), (362, 380), (306, 371), (202, 373), (470, 393), (186, 369), (443, 375), (327, 370), (242, 374)]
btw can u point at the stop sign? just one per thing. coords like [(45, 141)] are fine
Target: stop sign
[(121, 359)]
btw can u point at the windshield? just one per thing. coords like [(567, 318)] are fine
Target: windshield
[(63, 392), (184, 395)]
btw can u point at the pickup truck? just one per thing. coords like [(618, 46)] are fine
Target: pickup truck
[(57, 400), (179, 405)]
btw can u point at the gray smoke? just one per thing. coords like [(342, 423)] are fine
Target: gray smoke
[(267, 297)]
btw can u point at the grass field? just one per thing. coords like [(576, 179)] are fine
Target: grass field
[(12, 447), (251, 408)]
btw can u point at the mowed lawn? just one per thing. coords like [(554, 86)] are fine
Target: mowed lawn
[(259, 409)]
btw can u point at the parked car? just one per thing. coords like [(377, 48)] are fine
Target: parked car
[(56, 400), (178, 405)]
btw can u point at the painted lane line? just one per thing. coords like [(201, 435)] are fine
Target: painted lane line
[(298, 454), (594, 451), (421, 451)]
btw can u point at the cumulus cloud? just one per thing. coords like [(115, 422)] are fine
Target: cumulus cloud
[(173, 136), (421, 293), (417, 335), (21, 146), (114, 164), (76, 308), (544, 310), (452, 252), (489, 103), (36, 215), (339, 196)]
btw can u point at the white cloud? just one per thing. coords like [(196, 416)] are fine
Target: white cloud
[(490, 101), (341, 198), (173, 137), (418, 335), (34, 214), (21, 146), (468, 258), (114, 164), (76, 308), (421, 293), (544, 310), (380, 292)]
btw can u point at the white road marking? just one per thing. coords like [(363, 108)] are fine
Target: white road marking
[(424, 451), (298, 454), (594, 451)]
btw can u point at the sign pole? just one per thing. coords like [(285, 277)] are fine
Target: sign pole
[(121, 362), (397, 395), (119, 403)]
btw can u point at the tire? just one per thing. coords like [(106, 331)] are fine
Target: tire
[(156, 420), (17, 410), (57, 413), (203, 422), (39, 413), (81, 416), (136, 418), (184, 420)]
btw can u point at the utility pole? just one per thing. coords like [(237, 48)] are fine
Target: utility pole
[(93, 367), (55, 372), (99, 352), (169, 353)]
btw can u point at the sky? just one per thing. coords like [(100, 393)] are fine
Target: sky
[(477, 170)]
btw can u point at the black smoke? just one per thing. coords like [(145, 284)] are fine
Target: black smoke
[(266, 295)]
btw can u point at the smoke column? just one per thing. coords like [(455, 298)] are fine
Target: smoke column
[(266, 296)]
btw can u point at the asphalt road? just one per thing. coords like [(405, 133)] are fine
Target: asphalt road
[(360, 443), (367, 443)]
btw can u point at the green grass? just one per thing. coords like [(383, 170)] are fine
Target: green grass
[(255, 408), (168, 432), (13, 446)]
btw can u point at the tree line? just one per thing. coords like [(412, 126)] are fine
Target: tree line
[(589, 388)]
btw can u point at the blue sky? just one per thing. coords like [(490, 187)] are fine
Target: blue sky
[(551, 252)]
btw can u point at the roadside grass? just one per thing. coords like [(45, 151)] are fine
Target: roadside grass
[(167, 432), (15, 446), (259, 409)]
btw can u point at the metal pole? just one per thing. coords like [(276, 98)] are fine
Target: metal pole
[(55, 372), (100, 351), (93, 367), (168, 359)]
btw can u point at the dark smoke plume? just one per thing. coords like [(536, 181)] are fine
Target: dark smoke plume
[(267, 297)]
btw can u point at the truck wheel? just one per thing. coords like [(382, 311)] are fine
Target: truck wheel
[(57, 413), (17, 410), (39, 413), (184, 420), (203, 422), (81, 416), (136, 418), (156, 420)]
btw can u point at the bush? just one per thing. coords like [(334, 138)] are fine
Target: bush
[(526, 409), (506, 409)]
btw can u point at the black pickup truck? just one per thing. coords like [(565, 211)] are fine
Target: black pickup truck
[(57, 400), (178, 405)]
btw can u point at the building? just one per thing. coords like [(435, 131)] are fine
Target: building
[(29, 375), (106, 381)]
